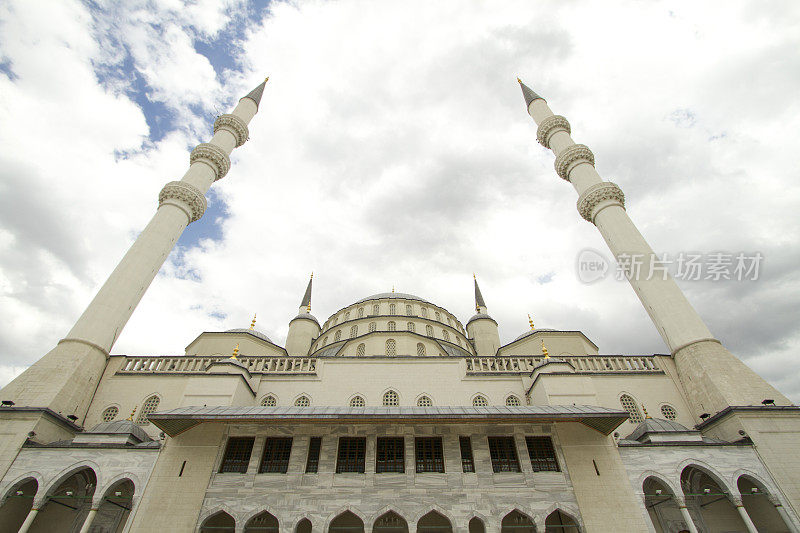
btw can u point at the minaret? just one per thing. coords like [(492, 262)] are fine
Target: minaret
[(65, 379), (713, 378), (482, 328), (303, 328)]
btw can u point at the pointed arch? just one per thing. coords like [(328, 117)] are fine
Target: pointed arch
[(391, 398), (476, 524), (666, 480), (756, 479), (69, 471), (17, 501), (522, 519), (307, 517), (343, 511), (262, 521), (357, 400), (399, 525), (219, 522), (434, 509), (480, 400), (560, 520), (7, 488), (110, 483), (302, 400), (708, 470)]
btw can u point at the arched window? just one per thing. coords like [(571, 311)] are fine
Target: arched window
[(424, 312), (391, 326), (269, 401), (302, 401), (458, 340), (357, 401), (668, 412), (391, 398), (373, 326), (354, 331), (338, 335), (420, 349), (361, 350), (391, 347), (325, 340), (449, 322), (629, 404), (438, 316), (376, 309), (392, 309), (346, 316), (335, 320), (411, 327), (513, 401), (429, 330), (409, 310), (149, 406), (445, 335), (480, 401), (110, 413), (424, 401), (360, 312)]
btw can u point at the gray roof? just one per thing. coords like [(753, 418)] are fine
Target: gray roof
[(253, 332), (118, 427), (531, 332), (478, 316), (395, 295), (255, 94), (306, 316), (307, 296), (657, 425), (602, 419), (529, 95), (478, 296)]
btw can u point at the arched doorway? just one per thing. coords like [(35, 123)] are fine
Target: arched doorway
[(710, 503), (761, 510), (347, 522), (220, 522), (263, 522), (517, 522), (662, 506), (16, 505), (390, 522), (67, 505), (115, 508), (560, 522), (303, 526), (434, 522), (476, 525)]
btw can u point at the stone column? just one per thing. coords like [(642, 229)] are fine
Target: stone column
[(685, 513), (748, 523), (89, 519), (26, 525)]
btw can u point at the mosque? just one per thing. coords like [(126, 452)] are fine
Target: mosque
[(393, 415)]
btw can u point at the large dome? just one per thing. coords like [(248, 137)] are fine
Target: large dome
[(395, 295)]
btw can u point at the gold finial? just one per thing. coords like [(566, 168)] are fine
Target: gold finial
[(645, 412), (235, 351), (308, 308), (519, 80), (266, 79), (473, 276), (392, 288), (530, 321), (312, 275), (253, 323), (544, 351), (132, 413)]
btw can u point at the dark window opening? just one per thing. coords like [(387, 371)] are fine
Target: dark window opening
[(542, 454), (390, 455), (237, 455), (312, 463), (504, 454), (351, 455), (276, 455), (467, 462), (430, 457)]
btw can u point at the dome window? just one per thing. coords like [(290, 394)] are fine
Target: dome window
[(480, 401), (373, 326), (420, 349), (629, 404), (391, 399), (391, 326), (361, 350), (357, 401), (269, 401), (424, 401), (391, 347), (302, 401)]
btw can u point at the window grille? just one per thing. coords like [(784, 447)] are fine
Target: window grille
[(424, 312), (346, 316), (430, 457), (429, 330), (411, 327), (360, 312), (542, 454), (276, 455), (338, 335), (357, 401), (354, 331), (467, 462), (391, 398), (269, 401), (302, 401), (373, 326), (480, 401), (149, 406), (111, 413), (513, 401), (503, 452), (376, 309), (390, 455), (668, 412), (391, 326), (424, 401), (409, 310), (391, 348), (438, 316), (629, 405), (237, 455), (392, 309), (350, 457), (420, 349), (312, 462), (445, 335), (361, 350)]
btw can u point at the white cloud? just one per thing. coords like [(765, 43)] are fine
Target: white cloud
[(392, 148)]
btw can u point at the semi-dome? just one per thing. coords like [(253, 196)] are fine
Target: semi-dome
[(253, 332), (531, 332), (395, 295)]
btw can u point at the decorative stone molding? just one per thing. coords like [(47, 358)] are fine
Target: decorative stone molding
[(186, 196), (549, 127), (212, 155), (572, 157), (736, 500), (234, 125), (598, 193)]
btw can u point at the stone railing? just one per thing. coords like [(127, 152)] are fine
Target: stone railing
[(188, 364), (582, 364)]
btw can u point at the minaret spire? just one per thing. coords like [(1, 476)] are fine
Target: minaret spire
[(305, 305), (529, 95), (480, 305)]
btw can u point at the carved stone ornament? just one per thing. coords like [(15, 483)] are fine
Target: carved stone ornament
[(233, 124), (186, 196), (549, 127), (596, 194), (214, 156), (572, 157)]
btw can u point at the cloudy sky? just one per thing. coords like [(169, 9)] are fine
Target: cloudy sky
[(392, 148)]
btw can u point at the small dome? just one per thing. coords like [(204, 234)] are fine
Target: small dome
[(306, 316), (531, 332), (479, 316), (393, 295), (121, 427), (253, 332)]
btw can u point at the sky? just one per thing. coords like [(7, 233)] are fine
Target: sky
[(392, 148)]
